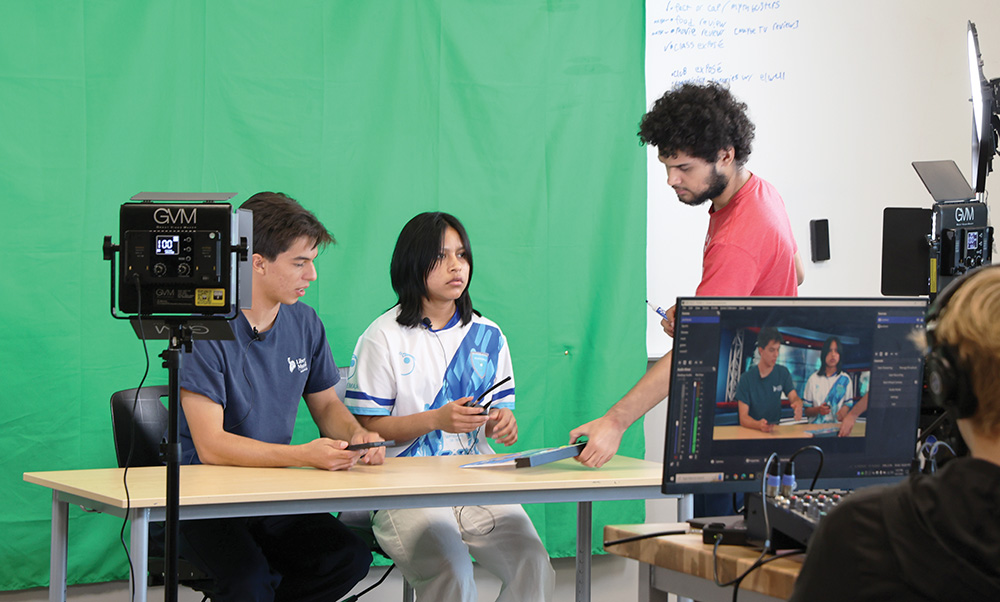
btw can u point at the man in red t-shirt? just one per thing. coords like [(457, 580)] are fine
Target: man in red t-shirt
[(703, 137)]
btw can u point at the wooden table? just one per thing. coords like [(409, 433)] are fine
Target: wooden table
[(683, 565), (225, 491)]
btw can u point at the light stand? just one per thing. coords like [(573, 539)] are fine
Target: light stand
[(180, 342), (171, 256)]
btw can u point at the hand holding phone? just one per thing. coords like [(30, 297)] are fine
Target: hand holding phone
[(486, 406)]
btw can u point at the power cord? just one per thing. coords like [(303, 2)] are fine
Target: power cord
[(767, 537), (615, 542), (358, 595), (759, 563), (770, 484), (131, 446), (790, 465)]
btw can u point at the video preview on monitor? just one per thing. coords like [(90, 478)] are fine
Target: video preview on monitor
[(880, 368)]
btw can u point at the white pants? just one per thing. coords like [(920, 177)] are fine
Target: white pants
[(431, 547)]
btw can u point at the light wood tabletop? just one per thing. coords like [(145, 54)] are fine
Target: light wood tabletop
[(685, 553), (226, 491), (202, 484)]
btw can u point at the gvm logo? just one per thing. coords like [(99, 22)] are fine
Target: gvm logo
[(164, 215), (199, 329), (965, 214)]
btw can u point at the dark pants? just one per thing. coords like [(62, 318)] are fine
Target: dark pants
[(716, 504), (300, 557)]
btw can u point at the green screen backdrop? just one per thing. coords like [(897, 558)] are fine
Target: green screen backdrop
[(518, 116)]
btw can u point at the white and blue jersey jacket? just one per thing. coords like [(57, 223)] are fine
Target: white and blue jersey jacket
[(400, 371)]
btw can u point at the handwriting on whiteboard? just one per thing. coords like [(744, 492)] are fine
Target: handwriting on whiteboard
[(719, 41)]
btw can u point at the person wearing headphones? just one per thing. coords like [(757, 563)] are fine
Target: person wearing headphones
[(937, 536)]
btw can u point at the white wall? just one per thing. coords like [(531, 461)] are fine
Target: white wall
[(868, 87)]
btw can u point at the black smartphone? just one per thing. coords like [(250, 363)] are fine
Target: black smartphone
[(370, 444)]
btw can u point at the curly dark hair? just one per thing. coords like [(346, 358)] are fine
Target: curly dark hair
[(699, 121)]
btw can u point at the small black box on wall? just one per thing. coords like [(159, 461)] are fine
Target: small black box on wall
[(819, 237)]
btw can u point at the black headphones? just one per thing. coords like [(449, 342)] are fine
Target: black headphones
[(948, 383)]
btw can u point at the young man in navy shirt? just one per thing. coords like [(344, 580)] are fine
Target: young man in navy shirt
[(239, 400)]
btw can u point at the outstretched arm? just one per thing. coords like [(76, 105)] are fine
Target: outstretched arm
[(604, 435), (848, 418)]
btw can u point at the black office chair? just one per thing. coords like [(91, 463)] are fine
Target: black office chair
[(148, 420)]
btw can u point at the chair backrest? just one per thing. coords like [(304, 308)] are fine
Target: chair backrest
[(148, 422), (341, 386)]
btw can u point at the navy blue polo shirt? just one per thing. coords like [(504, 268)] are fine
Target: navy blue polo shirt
[(259, 383)]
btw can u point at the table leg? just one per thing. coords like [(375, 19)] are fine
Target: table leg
[(648, 592), (139, 551), (685, 510), (584, 522), (60, 539)]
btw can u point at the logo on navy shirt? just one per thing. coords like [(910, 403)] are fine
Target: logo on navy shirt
[(299, 364)]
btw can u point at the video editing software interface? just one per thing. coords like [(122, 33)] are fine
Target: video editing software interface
[(715, 346)]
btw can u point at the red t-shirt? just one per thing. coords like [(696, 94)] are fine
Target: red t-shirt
[(750, 249)]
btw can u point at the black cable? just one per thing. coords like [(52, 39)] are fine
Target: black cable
[(759, 563), (767, 525), (461, 524), (818, 468), (615, 542), (736, 581), (767, 534), (370, 588), (927, 432), (131, 446)]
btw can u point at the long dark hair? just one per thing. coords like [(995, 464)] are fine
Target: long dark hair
[(415, 255), (827, 345)]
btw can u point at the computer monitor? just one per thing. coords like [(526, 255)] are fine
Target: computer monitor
[(715, 344)]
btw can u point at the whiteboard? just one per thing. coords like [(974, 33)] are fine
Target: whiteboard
[(845, 95)]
